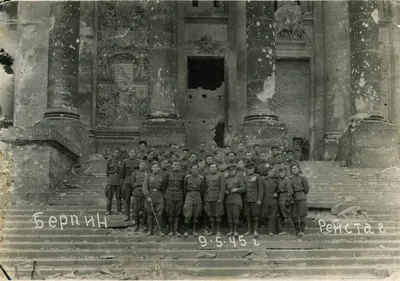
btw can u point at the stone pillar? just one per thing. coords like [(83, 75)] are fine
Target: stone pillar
[(163, 124), (87, 67), (369, 141), (337, 75), (261, 124), (31, 62), (62, 95), (8, 34), (395, 14)]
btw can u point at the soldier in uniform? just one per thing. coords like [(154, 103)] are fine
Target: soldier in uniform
[(165, 169), (202, 153), (253, 198), (214, 149), (174, 181), (138, 177), (270, 200), (113, 182), (299, 209), (127, 168), (227, 150), (285, 192), (194, 192), (234, 189), (289, 160), (214, 197), (241, 151), (142, 149), (248, 157), (209, 161), (278, 163), (153, 188), (256, 149), (124, 153), (232, 158), (241, 169)]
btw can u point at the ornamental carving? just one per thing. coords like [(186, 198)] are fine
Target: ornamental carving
[(206, 45), (123, 63), (289, 23)]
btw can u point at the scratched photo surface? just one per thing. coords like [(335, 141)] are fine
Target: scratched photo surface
[(189, 140)]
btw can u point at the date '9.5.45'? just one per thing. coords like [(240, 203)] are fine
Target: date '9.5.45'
[(219, 241)]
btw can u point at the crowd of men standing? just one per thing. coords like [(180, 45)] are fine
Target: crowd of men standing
[(207, 187)]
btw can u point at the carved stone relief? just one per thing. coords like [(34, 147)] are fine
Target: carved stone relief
[(289, 23), (123, 64)]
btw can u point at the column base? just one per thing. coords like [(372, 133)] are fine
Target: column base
[(72, 128), (329, 146), (160, 132), (39, 160), (264, 133), (370, 143)]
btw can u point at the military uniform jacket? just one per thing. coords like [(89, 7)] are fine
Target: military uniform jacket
[(231, 183), (202, 154), (241, 154), (215, 187), (300, 187), (261, 167), (285, 190), (254, 188), (174, 183), (194, 189), (138, 177), (112, 171), (270, 187), (241, 174), (127, 168), (153, 187)]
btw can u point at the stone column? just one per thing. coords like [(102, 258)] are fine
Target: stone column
[(337, 75), (62, 95), (369, 141), (8, 34), (395, 15), (163, 120), (31, 62), (261, 123)]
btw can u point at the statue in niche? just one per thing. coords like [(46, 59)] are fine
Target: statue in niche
[(289, 23)]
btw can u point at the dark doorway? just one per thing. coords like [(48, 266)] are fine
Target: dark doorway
[(205, 72), (219, 134)]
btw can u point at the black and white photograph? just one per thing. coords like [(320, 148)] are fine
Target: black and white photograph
[(200, 140)]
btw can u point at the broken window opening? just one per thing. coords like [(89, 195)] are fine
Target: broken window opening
[(219, 134), (207, 73), (216, 3), (195, 3)]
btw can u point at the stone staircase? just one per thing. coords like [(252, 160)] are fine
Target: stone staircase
[(95, 252)]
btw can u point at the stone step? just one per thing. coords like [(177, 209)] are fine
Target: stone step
[(28, 223), (128, 236), (194, 253), (79, 211), (164, 271), (43, 263), (95, 230), (209, 245)]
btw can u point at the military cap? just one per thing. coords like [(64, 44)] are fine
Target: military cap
[(250, 165), (231, 166)]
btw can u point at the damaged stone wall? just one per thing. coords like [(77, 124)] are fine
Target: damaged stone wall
[(205, 110), (292, 97), (5, 187)]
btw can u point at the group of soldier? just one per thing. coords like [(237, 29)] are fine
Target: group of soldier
[(207, 186)]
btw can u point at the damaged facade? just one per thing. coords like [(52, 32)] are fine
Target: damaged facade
[(268, 72)]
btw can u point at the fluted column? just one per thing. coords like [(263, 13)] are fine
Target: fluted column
[(261, 58), (337, 75), (163, 59), (63, 60), (63, 67), (261, 124), (369, 141), (163, 125)]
